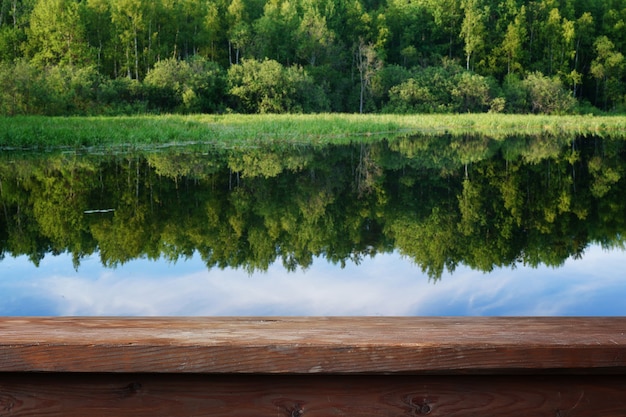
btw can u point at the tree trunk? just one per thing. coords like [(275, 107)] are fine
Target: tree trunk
[(14, 6), (136, 55), (361, 64), (128, 67)]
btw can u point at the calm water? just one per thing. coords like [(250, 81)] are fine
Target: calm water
[(434, 225)]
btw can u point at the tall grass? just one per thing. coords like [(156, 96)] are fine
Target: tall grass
[(38, 132)]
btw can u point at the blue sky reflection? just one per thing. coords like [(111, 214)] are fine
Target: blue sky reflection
[(384, 285)]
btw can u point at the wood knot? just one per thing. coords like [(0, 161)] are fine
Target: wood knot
[(297, 411), (418, 407), (130, 390), (7, 405), (289, 407)]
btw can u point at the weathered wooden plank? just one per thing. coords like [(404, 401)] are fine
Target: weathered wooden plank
[(331, 345), (154, 395)]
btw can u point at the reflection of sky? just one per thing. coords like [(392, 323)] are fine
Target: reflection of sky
[(383, 285)]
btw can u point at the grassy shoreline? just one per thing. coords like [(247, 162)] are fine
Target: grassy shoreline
[(43, 132)]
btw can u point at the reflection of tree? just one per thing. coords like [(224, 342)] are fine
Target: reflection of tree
[(431, 241), (441, 201), (367, 172), (18, 234)]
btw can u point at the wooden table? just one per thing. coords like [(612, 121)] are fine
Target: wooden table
[(324, 366)]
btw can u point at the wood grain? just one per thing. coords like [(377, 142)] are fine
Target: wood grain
[(326, 345), (154, 395)]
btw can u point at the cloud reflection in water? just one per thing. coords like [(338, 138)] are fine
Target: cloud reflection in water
[(384, 285)]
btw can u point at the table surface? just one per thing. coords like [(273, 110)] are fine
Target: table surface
[(311, 345)]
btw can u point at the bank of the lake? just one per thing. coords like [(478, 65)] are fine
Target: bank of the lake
[(37, 131)]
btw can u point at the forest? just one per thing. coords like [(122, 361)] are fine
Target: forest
[(112, 57), (441, 201)]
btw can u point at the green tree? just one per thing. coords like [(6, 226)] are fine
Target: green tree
[(368, 64), (97, 17), (315, 39), (11, 42), (24, 90), (15, 13), (57, 33), (448, 17), (190, 31), (552, 35), (514, 41), (584, 29), (607, 68), (580, 42), (472, 29), (239, 32), (214, 24), (277, 31), (613, 22), (130, 21)]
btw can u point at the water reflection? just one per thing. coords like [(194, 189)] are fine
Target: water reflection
[(386, 284), (466, 204)]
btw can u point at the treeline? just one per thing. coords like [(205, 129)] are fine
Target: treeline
[(442, 201), (60, 57)]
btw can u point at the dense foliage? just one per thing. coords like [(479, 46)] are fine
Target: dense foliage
[(60, 57), (442, 201)]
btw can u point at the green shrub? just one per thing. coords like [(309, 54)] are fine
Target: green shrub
[(515, 94), (409, 97), (384, 80), (191, 86), (548, 95), (471, 93), (122, 96), (444, 89), (268, 87)]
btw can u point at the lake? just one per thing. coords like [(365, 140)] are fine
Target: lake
[(420, 225)]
